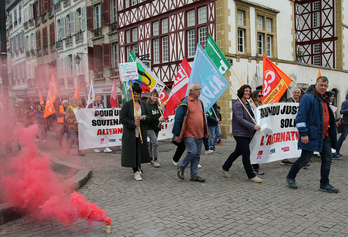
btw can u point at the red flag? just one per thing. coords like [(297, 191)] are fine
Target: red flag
[(275, 82), (179, 88), (51, 97), (77, 91), (41, 100), (319, 73), (163, 98), (113, 97)]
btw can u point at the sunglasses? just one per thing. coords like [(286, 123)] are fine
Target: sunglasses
[(259, 95)]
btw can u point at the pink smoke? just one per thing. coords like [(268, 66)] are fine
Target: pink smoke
[(32, 187)]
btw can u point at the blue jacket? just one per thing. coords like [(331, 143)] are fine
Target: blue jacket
[(309, 121), (344, 111), (180, 119), (212, 118)]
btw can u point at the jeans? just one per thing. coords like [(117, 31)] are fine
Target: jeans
[(193, 146), (74, 137), (342, 138), (217, 133), (242, 148), (326, 158), (212, 136), (61, 130), (179, 151), (206, 143), (42, 131), (153, 146)]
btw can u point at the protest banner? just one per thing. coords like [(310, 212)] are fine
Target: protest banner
[(208, 76), (280, 138), (100, 128)]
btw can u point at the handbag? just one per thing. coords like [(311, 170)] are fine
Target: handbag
[(339, 126)]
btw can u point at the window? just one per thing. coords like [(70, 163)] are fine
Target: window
[(191, 43), (202, 15), (114, 10), (316, 19), (127, 51), (97, 16), (316, 60), (79, 16), (134, 2), (268, 25), (70, 65), (240, 17), (165, 26), (134, 34), (156, 55), (191, 21), (202, 40), (316, 6), (155, 28), (165, 57), (259, 22), (127, 3), (260, 44), (269, 46), (15, 16), (128, 38), (115, 55), (316, 48), (19, 14), (135, 48), (241, 39)]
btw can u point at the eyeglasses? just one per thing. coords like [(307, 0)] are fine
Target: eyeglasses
[(259, 95), (198, 89)]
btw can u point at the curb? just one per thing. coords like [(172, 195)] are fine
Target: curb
[(9, 213)]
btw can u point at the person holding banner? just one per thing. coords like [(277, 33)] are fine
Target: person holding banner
[(72, 126), (243, 130), (190, 125), (316, 124), (154, 126), (135, 114)]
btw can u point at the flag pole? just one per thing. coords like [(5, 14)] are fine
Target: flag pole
[(136, 114), (251, 99), (245, 108), (172, 93), (298, 86)]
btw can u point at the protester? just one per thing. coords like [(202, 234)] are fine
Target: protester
[(256, 97), (213, 126), (334, 108), (243, 130), (190, 125), (97, 104), (154, 126), (62, 127), (134, 150), (344, 111), (316, 124), (27, 120), (40, 120), (72, 126)]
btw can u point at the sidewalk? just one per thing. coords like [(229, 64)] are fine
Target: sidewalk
[(164, 205)]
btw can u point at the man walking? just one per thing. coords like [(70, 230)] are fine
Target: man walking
[(316, 124), (190, 124), (344, 111)]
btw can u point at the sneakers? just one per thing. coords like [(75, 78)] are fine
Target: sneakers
[(156, 164), (107, 150), (258, 172), (137, 176), (291, 183), (140, 170), (180, 173), (197, 179), (207, 152), (96, 150), (336, 156), (226, 173), (214, 149), (256, 180), (329, 188), (175, 163), (306, 166), (286, 162), (199, 166), (44, 141)]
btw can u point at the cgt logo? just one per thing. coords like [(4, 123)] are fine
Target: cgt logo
[(259, 155)]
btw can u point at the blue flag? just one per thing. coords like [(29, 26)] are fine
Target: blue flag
[(207, 75)]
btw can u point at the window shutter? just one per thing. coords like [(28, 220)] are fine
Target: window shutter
[(90, 18), (106, 12), (62, 21), (44, 36), (29, 41), (52, 33), (38, 41), (106, 55), (72, 23), (22, 36), (90, 59), (31, 11), (34, 11), (46, 5), (98, 64), (83, 18)]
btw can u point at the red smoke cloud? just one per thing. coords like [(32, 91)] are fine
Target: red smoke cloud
[(31, 186)]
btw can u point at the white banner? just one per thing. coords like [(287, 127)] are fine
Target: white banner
[(280, 138), (100, 128), (128, 71)]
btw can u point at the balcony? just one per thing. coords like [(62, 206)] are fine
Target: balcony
[(45, 50), (66, 3), (79, 37), (113, 27), (25, 25), (57, 6), (21, 50), (44, 17), (59, 44), (31, 22), (97, 32), (39, 52), (68, 41), (53, 47), (50, 13), (27, 54), (98, 74), (37, 21), (114, 72), (32, 52)]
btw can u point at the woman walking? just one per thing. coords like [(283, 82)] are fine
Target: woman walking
[(243, 130)]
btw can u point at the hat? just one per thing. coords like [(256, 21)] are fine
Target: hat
[(65, 101)]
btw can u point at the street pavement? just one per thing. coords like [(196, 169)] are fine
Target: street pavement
[(164, 205)]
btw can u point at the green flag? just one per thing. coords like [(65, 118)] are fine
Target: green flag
[(217, 56)]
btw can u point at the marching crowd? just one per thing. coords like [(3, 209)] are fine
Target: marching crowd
[(193, 126)]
